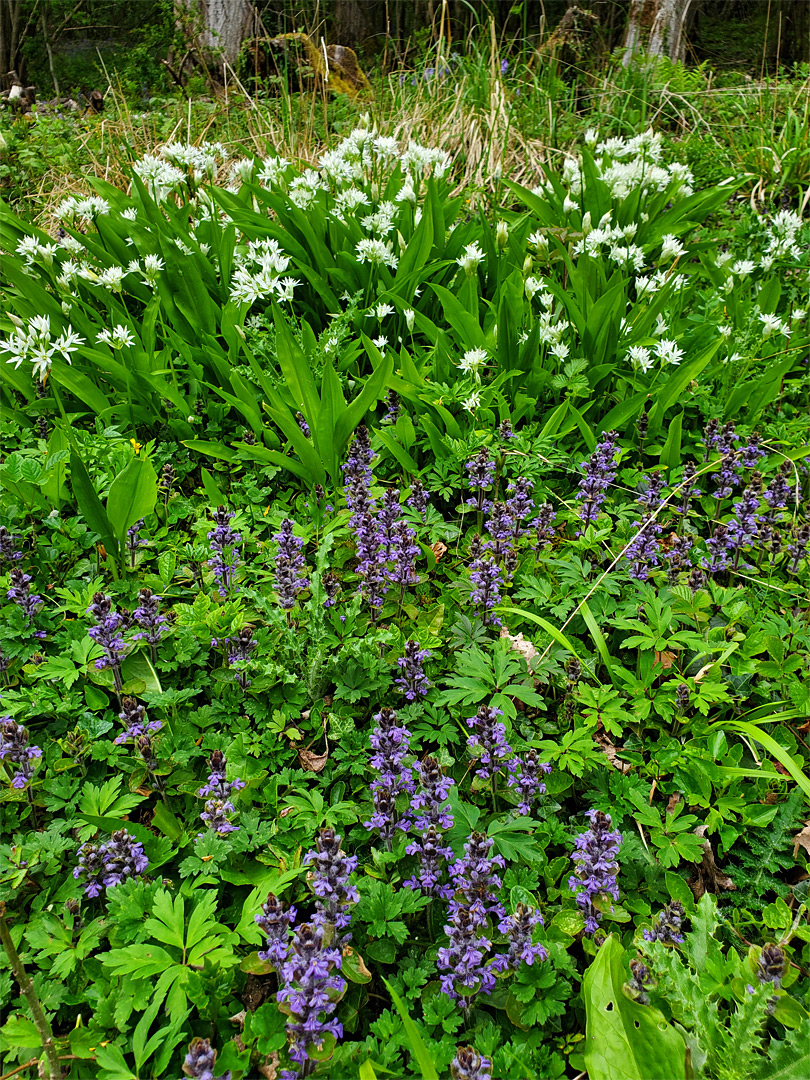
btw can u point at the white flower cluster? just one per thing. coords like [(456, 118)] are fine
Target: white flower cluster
[(626, 165), (257, 273), (30, 249), (116, 338), (35, 344), (613, 242), (88, 208), (158, 175), (782, 235), (201, 161)]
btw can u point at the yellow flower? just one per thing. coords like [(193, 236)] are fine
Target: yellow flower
[(136, 446)]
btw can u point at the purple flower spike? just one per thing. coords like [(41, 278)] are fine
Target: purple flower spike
[(468, 1064), (600, 472), (435, 818), (418, 499), (520, 504), (20, 593), (475, 879), (490, 735), (529, 783), (312, 985), (544, 525), (275, 921), (224, 544), (133, 716), (9, 551), (108, 632), (331, 870), (291, 576), (390, 742), (104, 866), (464, 959), (412, 680), (14, 746), (217, 791), (200, 1061), (595, 852), (519, 928), (147, 615), (480, 477), (487, 579), (667, 927)]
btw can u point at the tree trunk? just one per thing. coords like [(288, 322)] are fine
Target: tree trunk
[(355, 23), (793, 27), (222, 27), (657, 28)]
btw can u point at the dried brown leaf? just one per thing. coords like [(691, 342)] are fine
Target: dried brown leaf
[(611, 753), (311, 761), (802, 839)]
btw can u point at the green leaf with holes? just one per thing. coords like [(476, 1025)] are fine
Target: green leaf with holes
[(625, 1040)]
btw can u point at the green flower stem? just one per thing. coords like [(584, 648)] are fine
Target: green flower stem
[(30, 994)]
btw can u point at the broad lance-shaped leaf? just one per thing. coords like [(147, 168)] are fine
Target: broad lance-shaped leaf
[(625, 1040), (133, 494)]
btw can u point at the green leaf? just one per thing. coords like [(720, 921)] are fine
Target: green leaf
[(89, 504), (671, 452), (424, 1060), (133, 494), (625, 1040)]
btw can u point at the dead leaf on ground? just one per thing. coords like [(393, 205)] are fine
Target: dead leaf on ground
[(802, 839), (674, 799), (521, 645), (611, 753), (665, 659), (311, 761), (438, 549), (710, 878)]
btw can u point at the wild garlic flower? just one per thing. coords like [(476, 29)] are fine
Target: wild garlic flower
[(35, 344), (472, 361), (772, 324), (152, 265), (377, 252), (668, 351), (473, 255), (671, 247), (743, 267), (272, 169), (118, 338)]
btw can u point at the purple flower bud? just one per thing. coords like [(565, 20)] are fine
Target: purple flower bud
[(667, 927), (9, 551), (200, 1061), (469, 1065), (475, 879), (418, 499)]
